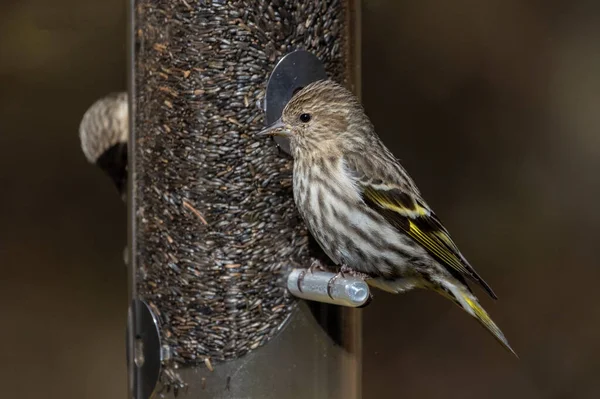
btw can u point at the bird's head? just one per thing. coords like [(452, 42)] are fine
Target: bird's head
[(322, 115)]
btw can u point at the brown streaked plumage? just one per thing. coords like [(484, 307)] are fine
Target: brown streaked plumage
[(362, 206), (104, 132)]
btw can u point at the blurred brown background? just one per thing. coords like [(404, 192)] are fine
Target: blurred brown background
[(490, 105)]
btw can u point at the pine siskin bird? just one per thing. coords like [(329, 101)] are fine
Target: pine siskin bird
[(104, 132), (363, 208)]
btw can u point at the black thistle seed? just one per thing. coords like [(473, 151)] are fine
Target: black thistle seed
[(216, 224)]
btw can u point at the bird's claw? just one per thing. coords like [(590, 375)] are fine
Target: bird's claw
[(316, 264), (354, 273), (330, 283), (301, 279), (343, 269), (342, 273)]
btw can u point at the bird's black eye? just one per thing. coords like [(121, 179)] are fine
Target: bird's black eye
[(304, 118)]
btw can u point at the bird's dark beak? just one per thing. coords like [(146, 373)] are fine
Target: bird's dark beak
[(276, 129)]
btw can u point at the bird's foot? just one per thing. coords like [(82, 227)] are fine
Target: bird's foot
[(342, 273), (354, 273), (316, 264)]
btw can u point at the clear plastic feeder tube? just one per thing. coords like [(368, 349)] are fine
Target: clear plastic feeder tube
[(214, 231)]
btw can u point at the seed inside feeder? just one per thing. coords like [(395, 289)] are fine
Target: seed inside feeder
[(209, 196)]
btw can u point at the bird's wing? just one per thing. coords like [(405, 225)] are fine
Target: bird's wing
[(391, 195)]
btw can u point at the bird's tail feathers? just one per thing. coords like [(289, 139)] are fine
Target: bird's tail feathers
[(454, 290), (462, 296)]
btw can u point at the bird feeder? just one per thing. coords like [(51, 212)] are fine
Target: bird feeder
[(214, 236)]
